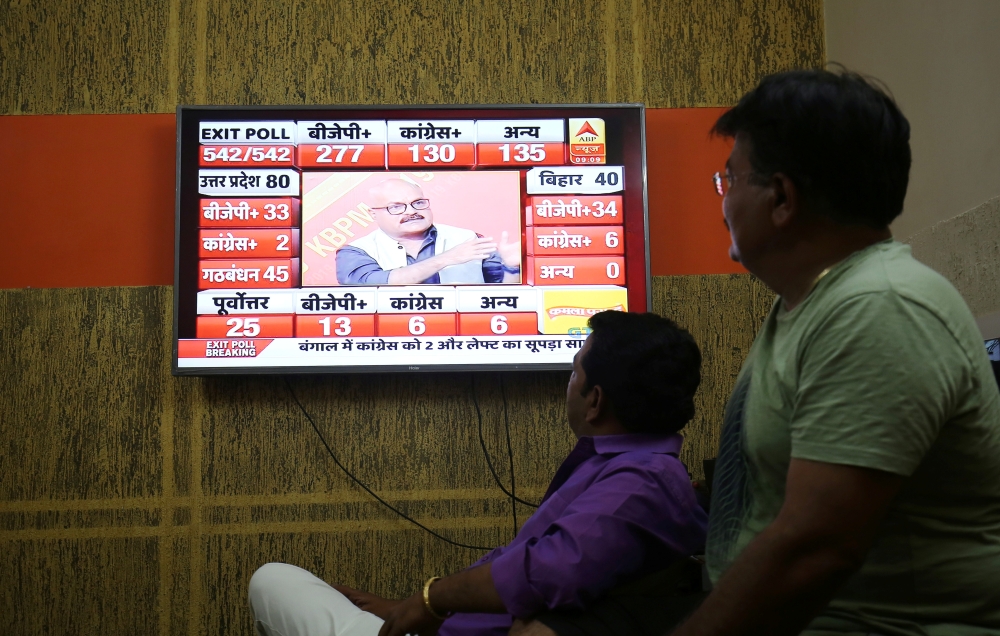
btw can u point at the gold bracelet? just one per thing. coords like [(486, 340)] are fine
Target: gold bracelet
[(427, 599)]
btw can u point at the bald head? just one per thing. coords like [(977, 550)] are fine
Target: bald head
[(394, 191), (409, 223)]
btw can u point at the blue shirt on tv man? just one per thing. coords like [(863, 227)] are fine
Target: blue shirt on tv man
[(409, 249)]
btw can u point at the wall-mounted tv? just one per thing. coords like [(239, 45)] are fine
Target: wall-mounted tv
[(354, 239)]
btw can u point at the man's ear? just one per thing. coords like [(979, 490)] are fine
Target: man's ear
[(597, 403), (787, 200)]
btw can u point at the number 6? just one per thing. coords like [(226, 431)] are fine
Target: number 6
[(417, 326), (498, 324)]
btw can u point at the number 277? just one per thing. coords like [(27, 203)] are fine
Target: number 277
[(325, 151)]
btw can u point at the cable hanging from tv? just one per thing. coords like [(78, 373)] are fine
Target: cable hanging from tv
[(365, 487), (489, 462)]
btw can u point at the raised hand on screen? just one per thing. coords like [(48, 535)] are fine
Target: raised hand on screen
[(510, 252)]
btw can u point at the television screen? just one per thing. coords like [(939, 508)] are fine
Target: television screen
[(327, 239)]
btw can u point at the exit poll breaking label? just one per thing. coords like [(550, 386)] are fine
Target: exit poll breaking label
[(576, 180)]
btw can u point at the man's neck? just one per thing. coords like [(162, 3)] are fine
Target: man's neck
[(610, 426), (792, 271)]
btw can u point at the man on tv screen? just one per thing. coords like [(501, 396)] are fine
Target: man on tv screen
[(621, 508), (408, 248)]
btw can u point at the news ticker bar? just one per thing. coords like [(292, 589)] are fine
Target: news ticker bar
[(398, 311), (553, 180), (414, 352), (402, 143)]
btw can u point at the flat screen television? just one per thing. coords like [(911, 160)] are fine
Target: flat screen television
[(374, 239)]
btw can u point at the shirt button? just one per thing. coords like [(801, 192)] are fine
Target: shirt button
[(400, 246)]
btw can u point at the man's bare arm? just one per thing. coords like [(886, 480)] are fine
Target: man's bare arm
[(470, 590), (788, 574)]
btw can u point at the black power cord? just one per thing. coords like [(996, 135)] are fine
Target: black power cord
[(489, 461), (510, 454), (365, 487)]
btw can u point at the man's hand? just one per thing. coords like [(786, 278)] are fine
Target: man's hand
[(368, 602), (470, 590), (410, 616), (510, 253), (471, 250)]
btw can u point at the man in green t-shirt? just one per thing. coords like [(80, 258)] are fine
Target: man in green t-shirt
[(857, 489)]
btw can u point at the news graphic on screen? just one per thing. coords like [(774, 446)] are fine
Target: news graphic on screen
[(404, 239)]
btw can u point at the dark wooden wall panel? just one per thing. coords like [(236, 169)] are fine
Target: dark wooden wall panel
[(70, 56), (135, 502)]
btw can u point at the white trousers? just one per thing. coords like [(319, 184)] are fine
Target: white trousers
[(289, 601)]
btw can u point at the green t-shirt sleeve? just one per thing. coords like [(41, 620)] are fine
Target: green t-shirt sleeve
[(877, 380)]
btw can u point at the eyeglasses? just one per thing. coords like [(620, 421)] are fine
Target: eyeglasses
[(723, 181), (396, 209)]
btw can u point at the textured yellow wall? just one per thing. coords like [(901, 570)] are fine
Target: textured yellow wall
[(75, 56), (132, 502)]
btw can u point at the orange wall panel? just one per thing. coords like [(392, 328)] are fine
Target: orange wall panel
[(686, 233), (88, 200)]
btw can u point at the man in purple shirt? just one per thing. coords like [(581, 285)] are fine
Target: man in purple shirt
[(620, 507)]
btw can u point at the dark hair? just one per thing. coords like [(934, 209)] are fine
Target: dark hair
[(840, 139), (648, 367)]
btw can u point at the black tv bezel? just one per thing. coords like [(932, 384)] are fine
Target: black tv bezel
[(176, 370)]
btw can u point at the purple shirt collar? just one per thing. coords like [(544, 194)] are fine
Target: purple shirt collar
[(614, 444), (589, 446)]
